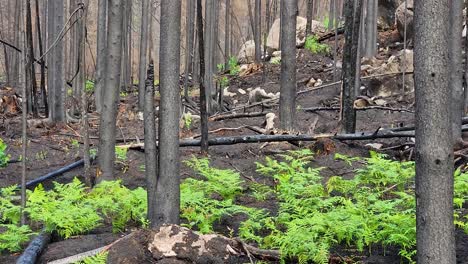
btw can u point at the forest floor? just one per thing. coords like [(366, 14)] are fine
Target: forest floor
[(51, 148)]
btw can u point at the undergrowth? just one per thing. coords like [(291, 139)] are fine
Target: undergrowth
[(374, 208), (4, 157), (315, 47)]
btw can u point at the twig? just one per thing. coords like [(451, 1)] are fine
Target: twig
[(237, 115), (372, 107)]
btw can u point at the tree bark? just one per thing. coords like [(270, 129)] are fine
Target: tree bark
[(209, 47), (288, 64), (434, 143), (352, 13), (151, 151), (189, 26), (23, 69), (31, 80), (42, 61), (227, 35), (143, 54), (456, 67), (203, 91), (257, 31), (466, 63), (168, 189), (371, 28), (111, 86), (310, 15), (101, 54), (59, 81)]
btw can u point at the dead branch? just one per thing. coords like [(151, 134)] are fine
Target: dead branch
[(237, 115), (264, 254), (372, 107)]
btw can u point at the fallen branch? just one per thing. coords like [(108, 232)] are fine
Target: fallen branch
[(263, 254), (372, 107), (237, 115), (34, 249)]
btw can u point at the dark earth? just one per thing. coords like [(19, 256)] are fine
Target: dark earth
[(51, 148)]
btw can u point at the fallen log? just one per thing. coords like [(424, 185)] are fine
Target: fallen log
[(34, 249), (372, 107)]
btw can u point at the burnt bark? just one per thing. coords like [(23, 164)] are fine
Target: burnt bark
[(434, 143)]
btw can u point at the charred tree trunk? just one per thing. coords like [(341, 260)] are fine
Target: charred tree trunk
[(310, 15), (143, 54), (227, 35), (168, 189), (111, 91), (31, 80), (101, 54), (288, 64), (352, 12), (203, 91), (42, 61), (434, 143), (257, 31), (189, 26)]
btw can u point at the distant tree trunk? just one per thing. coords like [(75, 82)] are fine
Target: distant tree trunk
[(434, 143), (310, 15), (101, 54), (371, 29), (16, 58), (216, 47), (456, 68), (189, 26), (352, 13), (151, 151), (257, 32), (41, 52), (75, 63), (113, 61), (288, 64), (209, 47), (168, 189), (81, 32), (31, 80), (23, 69), (55, 60), (331, 15), (126, 42), (335, 41), (143, 54), (466, 62), (227, 34), (251, 18), (203, 92)]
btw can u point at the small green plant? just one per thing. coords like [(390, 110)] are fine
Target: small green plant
[(223, 81), (123, 94), (275, 60), (121, 153), (41, 155), (234, 67), (100, 258), (89, 86), (12, 237), (4, 157), (188, 120), (315, 47), (75, 143), (220, 67)]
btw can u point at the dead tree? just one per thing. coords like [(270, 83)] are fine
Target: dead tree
[(257, 31), (227, 34), (288, 64), (168, 189), (101, 53), (31, 80), (143, 54), (310, 15), (113, 58), (434, 143), (203, 91), (352, 13), (42, 61), (456, 67), (370, 46), (189, 26)]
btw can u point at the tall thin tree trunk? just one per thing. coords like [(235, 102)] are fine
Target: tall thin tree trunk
[(435, 228), (58, 103), (209, 47), (151, 151), (111, 91), (50, 56), (101, 54), (143, 54), (456, 68), (352, 11), (466, 63), (310, 15), (31, 80), (288, 64), (257, 31), (203, 92), (370, 46), (331, 15), (168, 186), (41, 52), (23, 69), (227, 34), (189, 26)]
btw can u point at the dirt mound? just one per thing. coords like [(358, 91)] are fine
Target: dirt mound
[(175, 244)]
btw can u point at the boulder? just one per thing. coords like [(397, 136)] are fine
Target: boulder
[(247, 52), (274, 34), (400, 19)]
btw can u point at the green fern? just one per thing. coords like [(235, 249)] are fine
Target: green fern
[(4, 157), (100, 258), (13, 237)]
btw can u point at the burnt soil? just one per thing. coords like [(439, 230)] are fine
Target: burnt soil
[(51, 148)]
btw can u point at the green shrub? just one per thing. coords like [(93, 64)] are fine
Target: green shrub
[(4, 157), (315, 47), (13, 237), (234, 67)]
